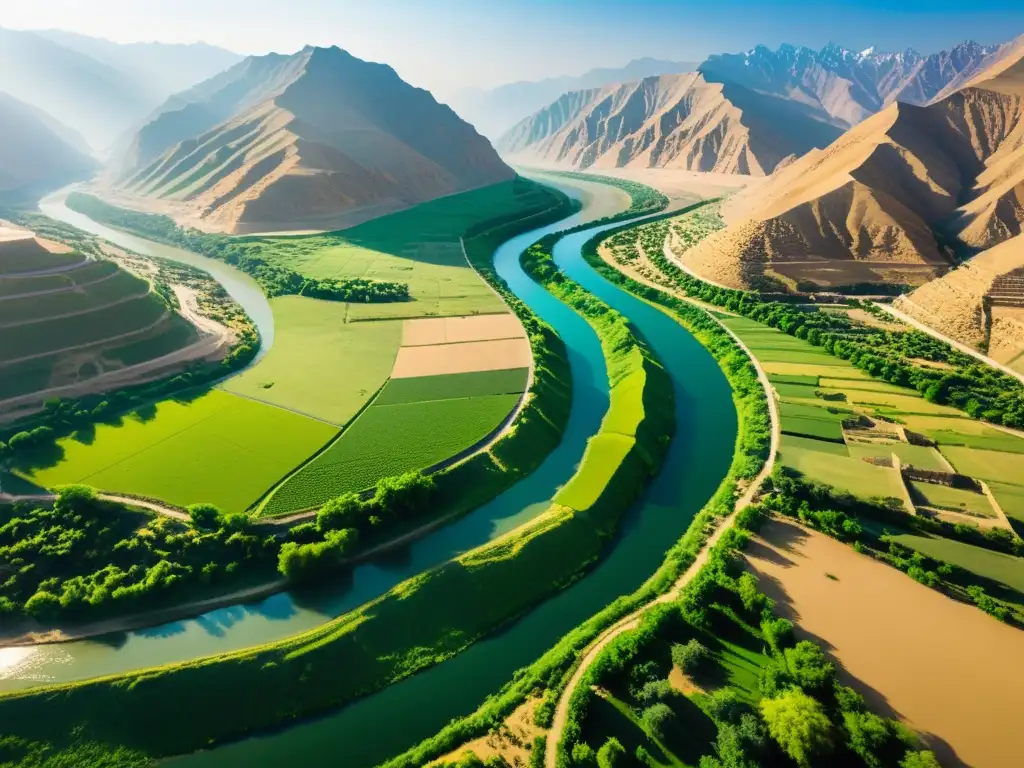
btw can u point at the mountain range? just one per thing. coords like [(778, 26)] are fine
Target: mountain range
[(493, 111), (97, 88), (750, 112), (315, 140), (37, 151), (908, 188)]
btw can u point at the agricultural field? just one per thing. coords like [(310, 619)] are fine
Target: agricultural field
[(951, 499), (420, 246), (454, 385), (218, 448), (985, 464), (66, 327), (830, 463), (320, 364), (996, 566), (856, 607), (919, 456), (388, 440)]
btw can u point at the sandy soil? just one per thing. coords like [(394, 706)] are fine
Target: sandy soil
[(10, 232), (945, 667), (436, 359), (512, 741), (451, 330)]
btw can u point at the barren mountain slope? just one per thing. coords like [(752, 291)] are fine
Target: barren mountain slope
[(494, 111), (671, 121), (878, 193), (319, 140), (980, 301), (36, 152)]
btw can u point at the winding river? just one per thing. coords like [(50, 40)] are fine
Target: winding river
[(382, 725)]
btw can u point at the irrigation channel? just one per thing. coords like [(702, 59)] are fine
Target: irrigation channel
[(386, 723)]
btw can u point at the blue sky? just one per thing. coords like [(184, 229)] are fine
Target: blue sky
[(447, 45)]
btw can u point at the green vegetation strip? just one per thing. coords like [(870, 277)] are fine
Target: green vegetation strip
[(421, 622), (453, 385), (549, 674)]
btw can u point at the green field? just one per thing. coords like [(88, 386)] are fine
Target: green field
[(388, 440), (952, 499), (919, 456), (811, 421), (785, 389), (1010, 498), (453, 385), (987, 465), (220, 449), (419, 246), (320, 364), (818, 462), (792, 378), (1005, 569)]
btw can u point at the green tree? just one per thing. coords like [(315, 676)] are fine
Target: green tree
[(611, 754), (346, 511), (810, 669), (751, 596), (205, 516), (583, 754), (799, 725), (778, 633), (725, 705), (691, 656), (922, 759), (868, 735), (658, 719)]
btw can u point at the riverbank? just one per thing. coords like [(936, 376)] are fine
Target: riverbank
[(754, 448), (379, 643)]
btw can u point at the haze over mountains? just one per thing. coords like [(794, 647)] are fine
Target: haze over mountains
[(496, 110), (908, 187), (315, 140), (98, 89), (744, 113), (36, 151)]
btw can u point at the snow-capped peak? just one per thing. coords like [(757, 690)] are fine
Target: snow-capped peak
[(867, 52)]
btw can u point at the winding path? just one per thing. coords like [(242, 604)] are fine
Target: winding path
[(632, 621)]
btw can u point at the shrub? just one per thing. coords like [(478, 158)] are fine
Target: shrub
[(868, 734), (753, 599), (611, 754), (658, 719), (691, 656), (725, 705), (738, 745), (346, 511), (922, 759), (537, 752), (655, 691), (810, 669), (799, 725), (583, 754), (205, 516), (778, 633)]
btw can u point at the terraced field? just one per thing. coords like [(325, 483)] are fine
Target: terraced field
[(65, 319)]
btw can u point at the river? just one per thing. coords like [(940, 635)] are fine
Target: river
[(379, 726)]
